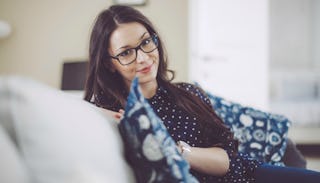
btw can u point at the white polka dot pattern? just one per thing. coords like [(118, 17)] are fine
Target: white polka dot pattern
[(262, 135), (151, 151), (185, 127)]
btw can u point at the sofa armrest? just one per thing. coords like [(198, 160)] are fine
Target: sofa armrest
[(12, 168), (293, 157)]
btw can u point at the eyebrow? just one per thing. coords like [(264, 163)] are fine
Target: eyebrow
[(127, 46)]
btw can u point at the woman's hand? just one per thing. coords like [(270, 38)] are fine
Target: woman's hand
[(115, 115), (212, 160)]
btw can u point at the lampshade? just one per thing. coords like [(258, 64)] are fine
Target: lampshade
[(5, 29), (74, 75)]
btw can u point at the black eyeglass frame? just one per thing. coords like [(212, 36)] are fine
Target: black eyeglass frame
[(154, 38)]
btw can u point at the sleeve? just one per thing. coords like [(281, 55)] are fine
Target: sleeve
[(149, 148), (241, 166), (196, 91)]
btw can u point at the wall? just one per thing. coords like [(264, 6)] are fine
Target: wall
[(295, 62), (46, 33), (230, 49), (315, 33), (294, 34)]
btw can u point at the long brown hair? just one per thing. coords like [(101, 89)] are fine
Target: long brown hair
[(106, 88)]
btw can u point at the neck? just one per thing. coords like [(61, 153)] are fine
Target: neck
[(149, 89)]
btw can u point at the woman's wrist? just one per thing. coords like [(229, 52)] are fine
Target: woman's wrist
[(184, 148)]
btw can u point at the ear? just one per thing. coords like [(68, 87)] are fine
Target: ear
[(110, 67)]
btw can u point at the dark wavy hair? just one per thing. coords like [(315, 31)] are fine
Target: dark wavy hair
[(106, 88)]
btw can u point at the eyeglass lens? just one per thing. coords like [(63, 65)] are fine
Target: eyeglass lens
[(128, 56)]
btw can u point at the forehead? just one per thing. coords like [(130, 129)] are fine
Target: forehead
[(126, 34)]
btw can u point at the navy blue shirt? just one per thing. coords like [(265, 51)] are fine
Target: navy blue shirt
[(184, 126)]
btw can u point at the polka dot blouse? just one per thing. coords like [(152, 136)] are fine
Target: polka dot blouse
[(184, 126)]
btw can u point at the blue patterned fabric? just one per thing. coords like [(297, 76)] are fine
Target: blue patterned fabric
[(186, 126), (149, 149), (261, 135)]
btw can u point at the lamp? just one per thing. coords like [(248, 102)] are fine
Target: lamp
[(5, 29), (131, 2), (74, 75)]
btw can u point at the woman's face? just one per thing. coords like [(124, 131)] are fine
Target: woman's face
[(145, 66)]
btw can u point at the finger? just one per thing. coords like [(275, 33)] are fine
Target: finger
[(118, 115), (113, 114), (121, 111)]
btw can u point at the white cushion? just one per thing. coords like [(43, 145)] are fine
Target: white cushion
[(63, 138), (12, 169)]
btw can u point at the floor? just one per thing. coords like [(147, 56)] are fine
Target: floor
[(312, 155), (313, 163), (308, 142)]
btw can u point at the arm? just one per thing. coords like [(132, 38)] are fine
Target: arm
[(116, 115), (212, 160)]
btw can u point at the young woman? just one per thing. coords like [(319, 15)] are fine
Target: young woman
[(124, 44)]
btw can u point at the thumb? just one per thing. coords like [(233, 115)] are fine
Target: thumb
[(121, 111)]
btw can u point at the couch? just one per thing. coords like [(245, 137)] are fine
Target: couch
[(47, 136)]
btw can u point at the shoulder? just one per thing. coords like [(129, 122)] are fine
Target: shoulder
[(186, 86), (194, 90), (191, 88)]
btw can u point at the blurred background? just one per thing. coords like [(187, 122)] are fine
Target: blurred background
[(260, 53)]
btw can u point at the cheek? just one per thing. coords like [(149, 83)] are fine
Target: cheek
[(155, 56), (130, 71), (126, 71)]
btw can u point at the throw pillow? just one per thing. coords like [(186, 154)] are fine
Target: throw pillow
[(12, 168), (62, 138), (262, 135), (150, 150)]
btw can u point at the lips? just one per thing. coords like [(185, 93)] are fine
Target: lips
[(145, 69)]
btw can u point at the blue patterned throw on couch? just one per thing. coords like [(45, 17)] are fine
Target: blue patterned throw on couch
[(149, 149), (261, 135)]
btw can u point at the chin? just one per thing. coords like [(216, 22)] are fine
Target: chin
[(147, 80)]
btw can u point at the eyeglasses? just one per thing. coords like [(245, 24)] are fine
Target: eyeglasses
[(130, 55)]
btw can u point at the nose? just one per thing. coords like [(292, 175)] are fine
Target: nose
[(141, 56)]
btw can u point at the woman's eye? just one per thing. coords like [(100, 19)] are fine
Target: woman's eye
[(125, 53), (147, 41)]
